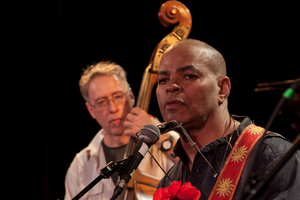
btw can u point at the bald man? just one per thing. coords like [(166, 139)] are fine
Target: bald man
[(193, 89)]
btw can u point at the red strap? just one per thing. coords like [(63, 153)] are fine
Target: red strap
[(230, 175)]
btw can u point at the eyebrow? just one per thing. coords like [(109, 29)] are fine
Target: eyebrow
[(187, 67), (180, 69), (162, 73)]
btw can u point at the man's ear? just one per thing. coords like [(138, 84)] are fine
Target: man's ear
[(90, 109), (225, 87)]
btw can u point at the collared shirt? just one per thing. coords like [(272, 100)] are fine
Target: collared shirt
[(285, 184), (87, 164)]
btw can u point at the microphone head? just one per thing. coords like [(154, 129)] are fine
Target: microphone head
[(150, 132)]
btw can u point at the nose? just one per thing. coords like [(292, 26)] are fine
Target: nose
[(173, 87), (112, 106)]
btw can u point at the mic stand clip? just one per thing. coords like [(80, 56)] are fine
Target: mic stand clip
[(105, 172)]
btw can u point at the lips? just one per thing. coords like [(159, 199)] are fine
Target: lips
[(115, 121), (175, 103)]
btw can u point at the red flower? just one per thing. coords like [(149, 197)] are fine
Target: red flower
[(175, 192)]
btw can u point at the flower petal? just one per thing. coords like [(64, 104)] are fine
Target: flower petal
[(188, 192), (178, 192), (161, 193), (173, 188)]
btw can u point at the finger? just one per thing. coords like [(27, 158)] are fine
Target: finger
[(136, 111), (129, 132), (131, 117), (127, 124)]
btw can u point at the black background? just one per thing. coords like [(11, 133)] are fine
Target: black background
[(52, 41)]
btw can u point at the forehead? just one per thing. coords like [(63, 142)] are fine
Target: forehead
[(101, 86), (184, 57)]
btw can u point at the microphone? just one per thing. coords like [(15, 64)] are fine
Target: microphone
[(149, 135)]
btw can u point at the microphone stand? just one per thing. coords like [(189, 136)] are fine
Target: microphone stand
[(257, 182), (105, 172)]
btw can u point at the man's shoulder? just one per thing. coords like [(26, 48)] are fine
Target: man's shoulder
[(273, 143), (92, 149), (272, 148), (276, 142)]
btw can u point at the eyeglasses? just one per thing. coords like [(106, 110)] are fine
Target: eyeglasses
[(117, 98)]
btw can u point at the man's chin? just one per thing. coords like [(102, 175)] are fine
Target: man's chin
[(171, 117), (117, 131)]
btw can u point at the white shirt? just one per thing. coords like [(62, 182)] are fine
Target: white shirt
[(87, 164)]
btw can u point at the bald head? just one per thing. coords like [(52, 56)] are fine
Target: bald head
[(192, 84), (204, 53)]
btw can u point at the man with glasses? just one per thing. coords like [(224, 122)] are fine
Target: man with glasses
[(110, 100)]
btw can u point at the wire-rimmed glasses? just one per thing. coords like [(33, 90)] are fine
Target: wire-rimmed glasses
[(102, 103)]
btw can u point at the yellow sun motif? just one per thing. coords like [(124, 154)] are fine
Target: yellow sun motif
[(256, 130), (225, 187), (239, 154)]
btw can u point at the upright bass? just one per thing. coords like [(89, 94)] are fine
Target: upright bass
[(170, 13)]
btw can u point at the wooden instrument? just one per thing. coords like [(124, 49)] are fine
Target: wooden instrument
[(170, 13)]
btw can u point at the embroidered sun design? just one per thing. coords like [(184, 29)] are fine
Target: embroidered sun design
[(239, 154), (225, 187), (256, 130)]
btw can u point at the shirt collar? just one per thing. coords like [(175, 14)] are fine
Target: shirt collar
[(245, 121), (94, 146)]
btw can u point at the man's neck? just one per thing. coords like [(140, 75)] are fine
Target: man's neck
[(216, 126), (115, 140)]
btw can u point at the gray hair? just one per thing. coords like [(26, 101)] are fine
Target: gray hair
[(103, 68)]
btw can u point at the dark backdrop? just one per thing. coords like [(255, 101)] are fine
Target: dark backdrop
[(53, 41)]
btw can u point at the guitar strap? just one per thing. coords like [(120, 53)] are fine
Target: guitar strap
[(229, 177)]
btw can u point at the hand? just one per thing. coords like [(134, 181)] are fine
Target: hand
[(136, 119)]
